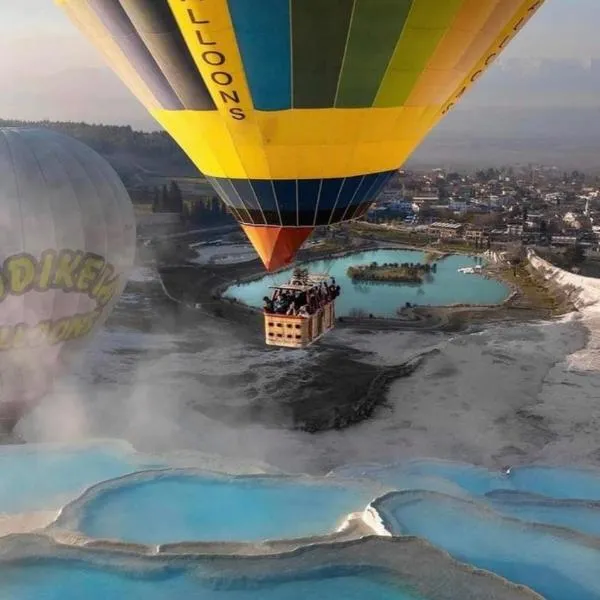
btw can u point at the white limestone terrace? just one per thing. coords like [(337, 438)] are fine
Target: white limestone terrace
[(585, 293), (354, 547), (445, 502), (571, 389), (410, 562)]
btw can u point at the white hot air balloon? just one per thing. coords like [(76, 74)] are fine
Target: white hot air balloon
[(67, 243)]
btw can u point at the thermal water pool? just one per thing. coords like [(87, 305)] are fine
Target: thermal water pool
[(535, 525), (41, 477), (164, 507), (446, 286), (53, 580)]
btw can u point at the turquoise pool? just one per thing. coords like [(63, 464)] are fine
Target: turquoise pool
[(169, 507), (447, 286), (535, 525), (38, 478), (556, 563), (72, 580)]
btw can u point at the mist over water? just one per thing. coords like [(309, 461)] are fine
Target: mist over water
[(168, 382)]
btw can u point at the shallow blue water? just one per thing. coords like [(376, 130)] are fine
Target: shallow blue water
[(35, 479), (558, 482), (559, 568), (182, 507), (76, 581), (469, 478), (577, 515), (446, 286), (553, 482)]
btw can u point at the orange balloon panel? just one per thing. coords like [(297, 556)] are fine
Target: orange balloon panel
[(276, 246)]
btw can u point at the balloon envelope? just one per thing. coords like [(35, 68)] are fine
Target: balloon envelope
[(67, 241), (299, 111)]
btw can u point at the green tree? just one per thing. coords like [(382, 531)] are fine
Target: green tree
[(164, 199), (175, 198), (574, 256), (515, 255), (155, 200)]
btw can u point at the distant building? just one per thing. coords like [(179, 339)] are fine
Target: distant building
[(564, 240), (499, 235), (403, 206), (554, 197), (389, 195), (476, 234), (446, 230), (514, 229), (495, 201), (458, 205)]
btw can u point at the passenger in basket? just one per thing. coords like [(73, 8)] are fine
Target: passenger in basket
[(268, 306), (303, 312)]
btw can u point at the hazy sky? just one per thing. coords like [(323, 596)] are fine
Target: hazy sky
[(45, 63)]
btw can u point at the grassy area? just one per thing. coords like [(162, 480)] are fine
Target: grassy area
[(327, 246), (389, 235), (410, 238), (535, 291), (142, 209)]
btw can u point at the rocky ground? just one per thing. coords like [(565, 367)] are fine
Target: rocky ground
[(331, 387)]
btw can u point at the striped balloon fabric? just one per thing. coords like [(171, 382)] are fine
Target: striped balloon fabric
[(298, 111)]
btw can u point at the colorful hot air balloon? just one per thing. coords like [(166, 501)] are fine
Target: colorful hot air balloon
[(298, 111), (67, 241)]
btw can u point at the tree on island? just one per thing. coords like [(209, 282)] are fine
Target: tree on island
[(300, 275)]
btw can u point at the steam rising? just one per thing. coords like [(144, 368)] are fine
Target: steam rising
[(168, 381)]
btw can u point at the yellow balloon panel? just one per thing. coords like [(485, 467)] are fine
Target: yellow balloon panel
[(328, 142), (299, 111), (245, 82)]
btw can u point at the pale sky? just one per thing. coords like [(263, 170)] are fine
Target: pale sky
[(48, 70)]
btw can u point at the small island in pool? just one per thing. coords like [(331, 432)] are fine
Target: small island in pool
[(391, 272)]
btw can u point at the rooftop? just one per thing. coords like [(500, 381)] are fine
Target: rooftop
[(443, 225)]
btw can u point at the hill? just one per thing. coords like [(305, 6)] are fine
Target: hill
[(141, 158), (473, 137)]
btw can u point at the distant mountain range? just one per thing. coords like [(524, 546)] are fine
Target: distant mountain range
[(522, 110), (92, 95), (533, 83)]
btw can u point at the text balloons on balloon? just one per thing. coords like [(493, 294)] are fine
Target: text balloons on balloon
[(299, 112)]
